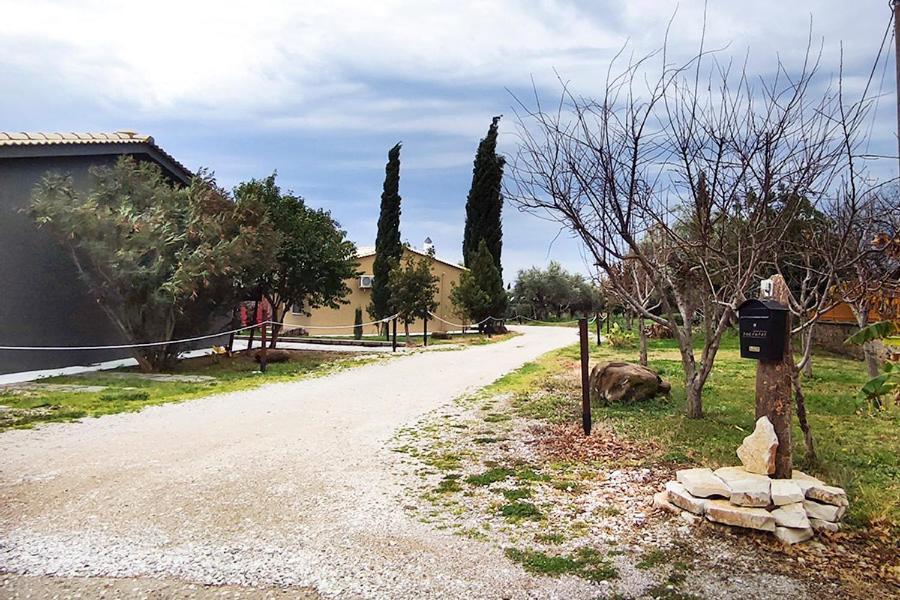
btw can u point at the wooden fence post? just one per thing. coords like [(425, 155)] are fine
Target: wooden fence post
[(597, 319), (585, 377), (394, 336), (262, 350), (773, 390)]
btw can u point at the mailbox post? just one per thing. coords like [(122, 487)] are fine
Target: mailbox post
[(765, 327)]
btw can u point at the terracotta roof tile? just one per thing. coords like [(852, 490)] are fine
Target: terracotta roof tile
[(73, 138)]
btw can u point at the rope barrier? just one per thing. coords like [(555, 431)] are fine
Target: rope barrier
[(125, 346), (229, 332), (295, 325)]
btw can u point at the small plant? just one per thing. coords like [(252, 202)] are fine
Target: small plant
[(586, 563), (884, 385), (517, 494), (449, 484), (490, 476), (518, 511), (125, 396), (620, 338)]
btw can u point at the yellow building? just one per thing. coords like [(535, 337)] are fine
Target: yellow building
[(339, 321)]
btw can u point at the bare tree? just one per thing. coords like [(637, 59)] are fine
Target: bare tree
[(697, 159)]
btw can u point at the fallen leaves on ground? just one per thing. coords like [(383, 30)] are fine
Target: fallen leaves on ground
[(566, 441)]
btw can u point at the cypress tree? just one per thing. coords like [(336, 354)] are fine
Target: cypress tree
[(485, 202), (388, 248)]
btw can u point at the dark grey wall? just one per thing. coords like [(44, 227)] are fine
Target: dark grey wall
[(42, 300)]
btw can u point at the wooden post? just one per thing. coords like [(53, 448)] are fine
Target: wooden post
[(230, 347), (585, 377), (394, 336), (425, 329), (597, 321), (773, 390), (262, 349)]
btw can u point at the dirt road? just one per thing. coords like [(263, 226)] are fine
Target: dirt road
[(286, 485)]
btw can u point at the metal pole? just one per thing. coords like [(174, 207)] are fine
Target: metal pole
[(394, 336), (585, 377), (896, 4), (597, 320), (425, 329)]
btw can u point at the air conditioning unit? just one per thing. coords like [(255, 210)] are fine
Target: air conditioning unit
[(365, 282)]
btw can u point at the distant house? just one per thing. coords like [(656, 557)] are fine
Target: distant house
[(44, 303), (338, 321)]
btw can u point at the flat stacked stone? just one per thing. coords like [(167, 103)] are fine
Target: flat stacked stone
[(702, 483), (745, 496)]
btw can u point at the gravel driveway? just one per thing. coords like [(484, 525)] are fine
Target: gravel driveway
[(285, 485)]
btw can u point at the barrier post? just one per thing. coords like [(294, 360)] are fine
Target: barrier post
[(597, 318), (394, 336), (585, 377), (262, 351), (425, 329)]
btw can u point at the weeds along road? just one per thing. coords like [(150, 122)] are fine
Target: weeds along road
[(284, 485)]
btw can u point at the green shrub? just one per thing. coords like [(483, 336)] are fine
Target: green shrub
[(619, 337), (125, 396)]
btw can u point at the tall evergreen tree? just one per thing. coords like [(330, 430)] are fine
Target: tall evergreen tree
[(479, 293), (388, 248), (485, 202)]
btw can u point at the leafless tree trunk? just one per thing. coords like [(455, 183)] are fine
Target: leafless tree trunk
[(685, 173)]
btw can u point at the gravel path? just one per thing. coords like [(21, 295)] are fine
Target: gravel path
[(286, 485)]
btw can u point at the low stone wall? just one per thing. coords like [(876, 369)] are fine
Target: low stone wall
[(831, 336)]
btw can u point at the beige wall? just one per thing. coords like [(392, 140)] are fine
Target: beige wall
[(343, 316)]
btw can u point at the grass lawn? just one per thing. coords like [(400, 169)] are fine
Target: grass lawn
[(415, 341), (856, 451), (125, 391)]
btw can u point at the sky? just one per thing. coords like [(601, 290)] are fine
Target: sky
[(319, 91)]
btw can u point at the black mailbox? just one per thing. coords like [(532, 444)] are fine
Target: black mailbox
[(763, 325)]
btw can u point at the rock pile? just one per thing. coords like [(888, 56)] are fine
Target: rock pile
[(793, 509)]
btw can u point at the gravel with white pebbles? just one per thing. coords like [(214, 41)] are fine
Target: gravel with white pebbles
[(284, 485)]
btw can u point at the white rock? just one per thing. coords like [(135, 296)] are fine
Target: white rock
[(826, 512), (689, 518), (723, 511), (828, 494), (791, 515), (661, 500), (729, 474), (820, 525), (757, 453), (785, 491), (789, 535), (703, 483), (804, 481), (680, 497), (750, 492)]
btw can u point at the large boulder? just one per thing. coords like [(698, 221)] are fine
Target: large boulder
[(613, 382)]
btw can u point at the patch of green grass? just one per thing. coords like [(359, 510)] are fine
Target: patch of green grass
[(125, 396), (550, 538), (529, 474), (447, 461), (124, 393), (496, 418), (490, 476), (858, 452), (521, 511), (586, 563), (516, 494), (449, 484), (652, 559)]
